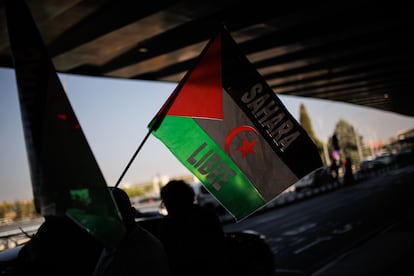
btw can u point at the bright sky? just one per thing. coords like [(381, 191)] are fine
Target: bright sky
[(114, 115)]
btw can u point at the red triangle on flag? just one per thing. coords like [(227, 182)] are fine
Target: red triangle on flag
[(203, 88)]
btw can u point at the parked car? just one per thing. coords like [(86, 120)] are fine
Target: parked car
[(404, 157), (386, 159), (316, 178), (206, 199), (370, 166)]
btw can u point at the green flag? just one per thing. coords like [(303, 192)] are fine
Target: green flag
[(227, 126), (65, 176)]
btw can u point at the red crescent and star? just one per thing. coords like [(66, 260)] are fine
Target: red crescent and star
[(247, 146)]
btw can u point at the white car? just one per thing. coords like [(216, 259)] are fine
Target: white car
[(206, 199), (318, 177)]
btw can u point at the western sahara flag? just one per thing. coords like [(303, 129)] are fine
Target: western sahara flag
[(66, 179), (227, 126)]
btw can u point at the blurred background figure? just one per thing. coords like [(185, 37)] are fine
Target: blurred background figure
[(348, 174)]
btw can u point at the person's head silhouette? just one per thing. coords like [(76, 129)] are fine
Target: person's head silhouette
[(128, 212), (177, 196)]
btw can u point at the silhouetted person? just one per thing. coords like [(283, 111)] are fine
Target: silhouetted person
[(139, 253), (59, 247), (192, 235), (334, 171), (348, 174)]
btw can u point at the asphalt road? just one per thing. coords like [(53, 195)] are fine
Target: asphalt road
[(311, 233)]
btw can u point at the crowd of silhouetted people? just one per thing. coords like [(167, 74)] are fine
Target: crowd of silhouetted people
[(189, 240), (62, 247)]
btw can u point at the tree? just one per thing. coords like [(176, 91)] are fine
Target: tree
[(305, 121), (350, 142), (17, 210)]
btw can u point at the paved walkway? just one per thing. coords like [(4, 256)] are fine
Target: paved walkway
[(391, 252)]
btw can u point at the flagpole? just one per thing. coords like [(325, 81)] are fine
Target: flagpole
[(133, 157), (152, 126)]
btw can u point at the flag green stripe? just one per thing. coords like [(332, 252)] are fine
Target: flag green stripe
[(183, 136)]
